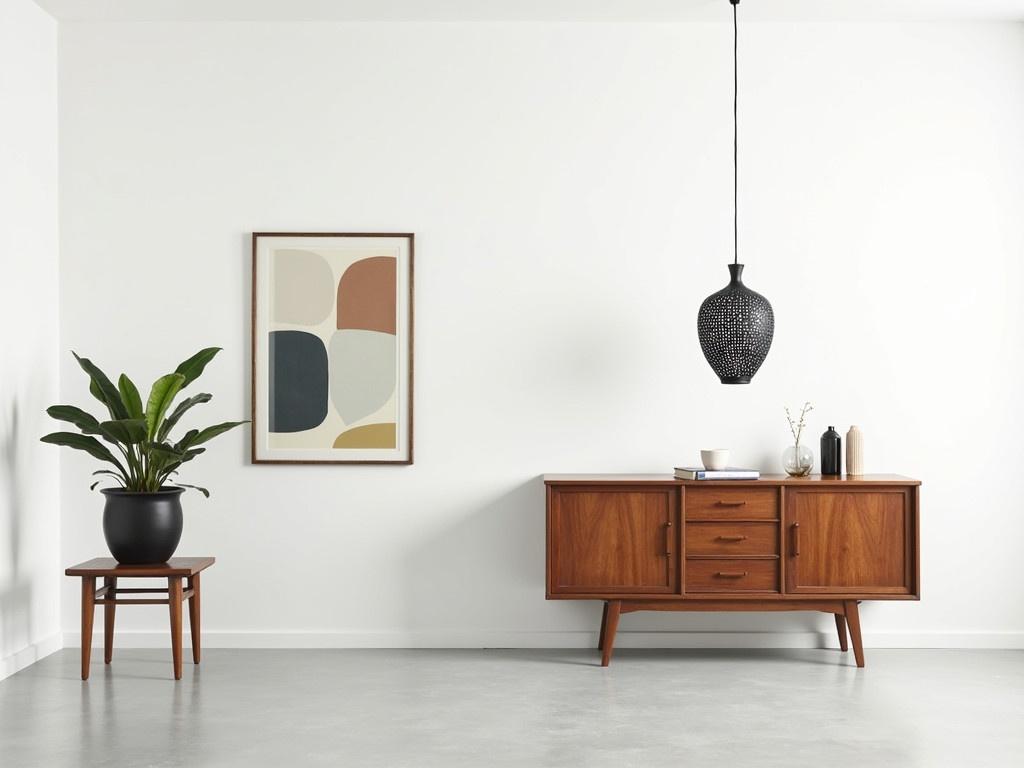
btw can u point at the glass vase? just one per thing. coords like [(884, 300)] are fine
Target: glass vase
[(798, 460)]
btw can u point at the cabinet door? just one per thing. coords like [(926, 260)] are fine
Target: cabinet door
[(850, 542), (620, 541)]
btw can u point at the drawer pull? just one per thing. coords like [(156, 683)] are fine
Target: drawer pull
[(796, 539), (668, 539), (731, 503), (732, 538), (731, 574)]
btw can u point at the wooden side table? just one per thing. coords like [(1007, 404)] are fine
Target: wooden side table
[(174, 570)]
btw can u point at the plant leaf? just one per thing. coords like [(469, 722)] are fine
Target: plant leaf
[(192, 368), (84, 421), (186, 441), (127, 431), (107, 472), (179, 411), (130, 396), (164, 390), (211, 432), (102, 388), (202, 490), (90, 445)]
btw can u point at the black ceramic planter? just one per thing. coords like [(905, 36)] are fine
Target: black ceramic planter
[(142, 527)]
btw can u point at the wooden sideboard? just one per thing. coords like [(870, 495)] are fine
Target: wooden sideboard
[(656, 543)]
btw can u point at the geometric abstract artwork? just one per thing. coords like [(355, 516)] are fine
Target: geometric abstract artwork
[(332, 348)]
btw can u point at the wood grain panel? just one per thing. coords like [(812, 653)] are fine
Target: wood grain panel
[(621, 541), (732, 575), (730, 538), (735, 502), (854, 542)]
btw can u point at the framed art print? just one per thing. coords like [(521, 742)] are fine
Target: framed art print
[(332, 321)]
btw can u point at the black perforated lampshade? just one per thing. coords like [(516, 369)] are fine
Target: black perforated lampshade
[(735, 327)]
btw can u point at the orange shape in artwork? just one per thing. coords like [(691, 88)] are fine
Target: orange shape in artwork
[(367, 295)]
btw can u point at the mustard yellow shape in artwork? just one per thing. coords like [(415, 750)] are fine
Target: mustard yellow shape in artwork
[(368, 436)]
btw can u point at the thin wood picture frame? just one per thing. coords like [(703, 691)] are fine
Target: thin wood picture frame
[(332, 329)]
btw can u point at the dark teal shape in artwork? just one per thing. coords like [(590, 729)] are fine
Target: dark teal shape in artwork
[(298, 381)]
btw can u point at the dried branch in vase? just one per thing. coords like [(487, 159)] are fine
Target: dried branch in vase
[(797, 428)]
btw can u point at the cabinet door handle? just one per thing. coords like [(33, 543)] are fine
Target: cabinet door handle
[(731, 503), (731, 574), (668, 539), (796, 539), (732, 538)]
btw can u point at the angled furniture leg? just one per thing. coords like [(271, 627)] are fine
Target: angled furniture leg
[(841, 629), (853, 620), (611, 625), (604, 625)]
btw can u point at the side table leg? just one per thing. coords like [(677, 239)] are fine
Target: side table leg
[(108, 619), (612, 624), (193, 617), (853, 620), (88, 608), (174, 600)]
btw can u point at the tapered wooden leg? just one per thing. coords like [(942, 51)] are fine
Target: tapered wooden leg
[(853, 620), (108, 619), (610, 627), (88, 608), (604, 623), (841, 629), (193, 617), (174, 598)]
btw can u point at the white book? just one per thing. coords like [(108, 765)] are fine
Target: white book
[(729, 473)]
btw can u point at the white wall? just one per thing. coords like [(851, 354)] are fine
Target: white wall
[(570, 189), (29, 482)]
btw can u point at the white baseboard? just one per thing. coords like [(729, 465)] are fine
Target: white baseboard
[(30, 654), (569, 639)]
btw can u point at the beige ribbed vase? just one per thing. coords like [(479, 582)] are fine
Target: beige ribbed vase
[(854, 451)]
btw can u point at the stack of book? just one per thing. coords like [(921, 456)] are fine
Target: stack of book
[(729, 473)]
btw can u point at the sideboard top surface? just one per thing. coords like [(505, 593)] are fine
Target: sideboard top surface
[(812, 480)]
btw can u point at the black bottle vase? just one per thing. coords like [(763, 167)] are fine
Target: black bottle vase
[(142, 528), (831, 451)]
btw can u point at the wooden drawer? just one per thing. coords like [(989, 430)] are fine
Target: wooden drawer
[(730, 538), (732, 503), (734, 575)]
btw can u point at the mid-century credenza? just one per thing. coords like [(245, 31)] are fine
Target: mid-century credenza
[(656, 543)]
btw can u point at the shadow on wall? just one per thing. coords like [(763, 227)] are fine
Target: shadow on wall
[(15, 589), (482, 572)]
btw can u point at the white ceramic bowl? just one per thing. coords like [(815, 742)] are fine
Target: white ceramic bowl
[(715, 458)]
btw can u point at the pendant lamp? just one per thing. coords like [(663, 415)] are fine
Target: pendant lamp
[(735, 325)]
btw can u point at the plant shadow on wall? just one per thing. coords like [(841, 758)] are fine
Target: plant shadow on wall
[(482, 571), (15, 591)]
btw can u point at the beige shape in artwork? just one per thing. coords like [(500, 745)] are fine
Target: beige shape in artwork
[(303, 287)]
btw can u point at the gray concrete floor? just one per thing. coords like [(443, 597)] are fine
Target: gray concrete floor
[(518, 708)]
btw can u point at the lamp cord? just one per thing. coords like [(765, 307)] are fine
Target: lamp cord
[(735, 137)]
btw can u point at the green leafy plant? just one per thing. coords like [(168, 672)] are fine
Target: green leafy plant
[(145, 458)]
